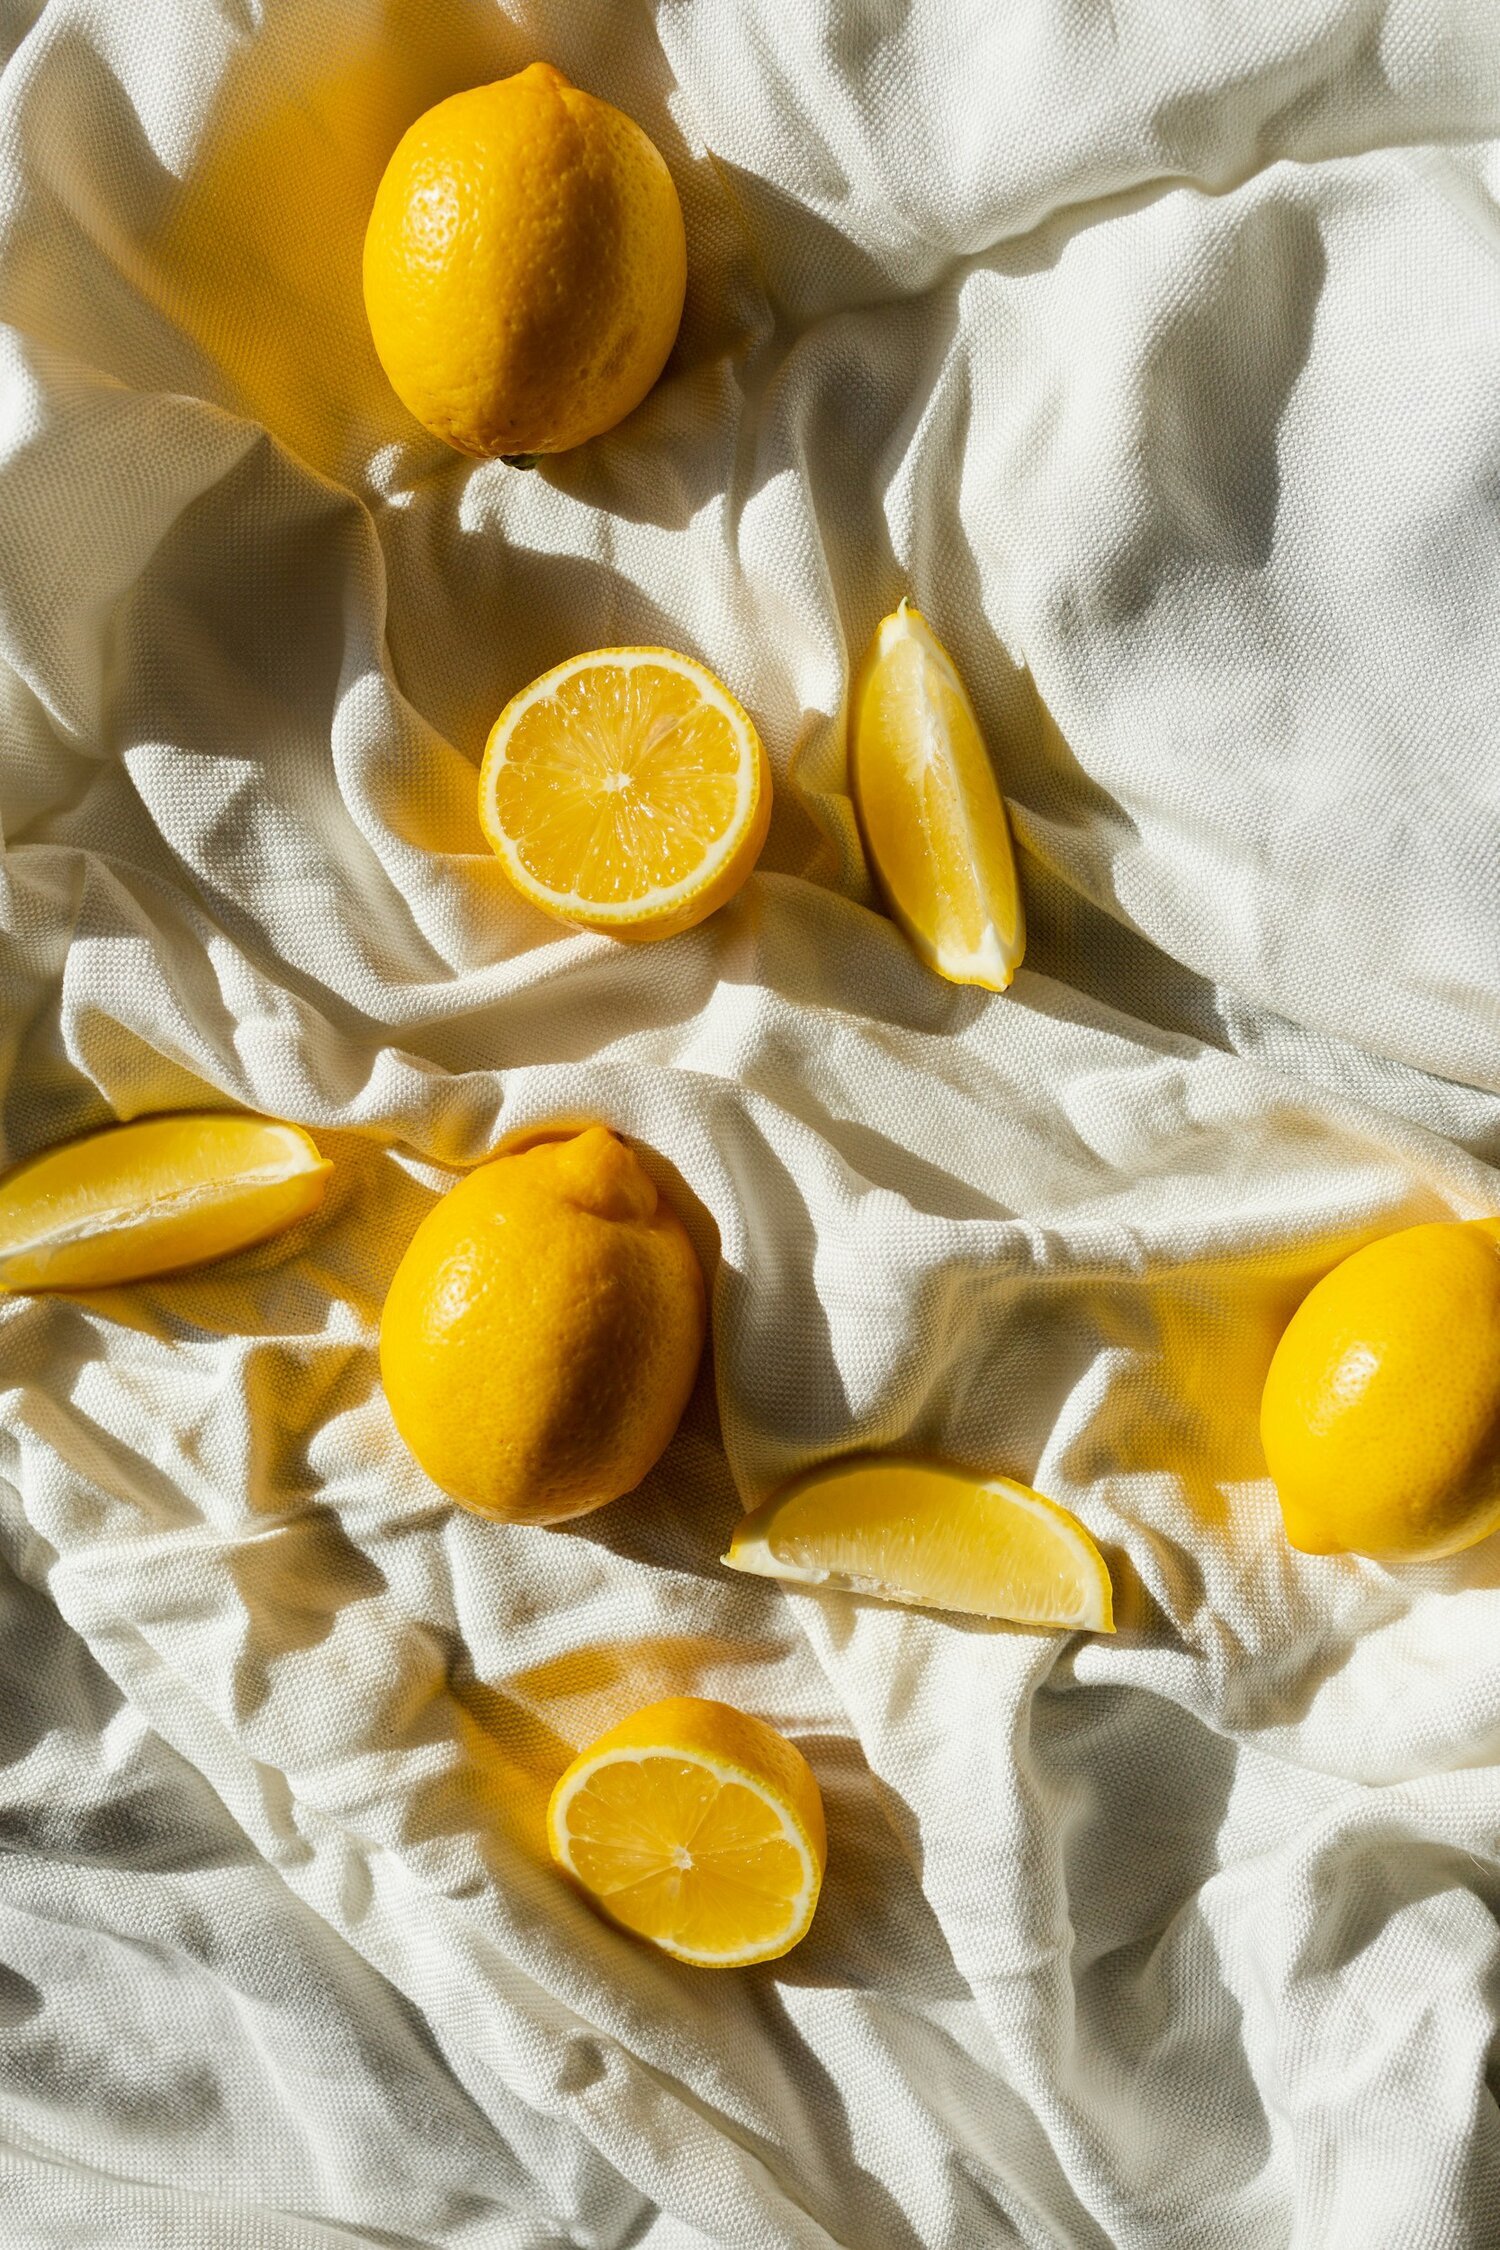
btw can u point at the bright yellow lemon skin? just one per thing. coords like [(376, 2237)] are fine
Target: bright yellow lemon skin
[(1381, 1411), (154, 1197), (932, 1536), (524, 266), (543, 1331)]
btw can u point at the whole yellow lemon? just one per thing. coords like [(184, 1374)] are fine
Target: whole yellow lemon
[(1381, 1411), (541, 1335), (524, 267)]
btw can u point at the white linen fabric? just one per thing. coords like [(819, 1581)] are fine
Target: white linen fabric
[(1155, 351)]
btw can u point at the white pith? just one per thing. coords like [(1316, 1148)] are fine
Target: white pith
[(799, 1908), (652, 904)]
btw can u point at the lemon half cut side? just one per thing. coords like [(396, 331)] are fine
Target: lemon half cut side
[(933, 1538), (697, 1827), (626, 791)]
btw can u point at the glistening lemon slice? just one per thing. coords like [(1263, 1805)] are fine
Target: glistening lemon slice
[(932, 814), (698, 1827), (626, 791), (150, 1197), (906, 1531)]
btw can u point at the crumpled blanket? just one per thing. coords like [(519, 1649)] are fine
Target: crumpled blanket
[(1155, 352)]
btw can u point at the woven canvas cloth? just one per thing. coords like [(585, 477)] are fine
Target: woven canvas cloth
[(1155, 352)]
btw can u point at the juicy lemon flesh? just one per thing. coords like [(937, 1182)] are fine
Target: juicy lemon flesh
[(697, 1827), (685, 1857), (626, 793), (935, 1539), (932, 814), (153, 1197), (618, 785), (1380, 1416)]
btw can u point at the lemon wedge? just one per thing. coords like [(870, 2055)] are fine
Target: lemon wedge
[(698, 1827), (931, 811), (151, 1197), (626, 791), (906, 1531)]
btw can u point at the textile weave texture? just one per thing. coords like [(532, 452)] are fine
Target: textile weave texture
[(1155, 352)]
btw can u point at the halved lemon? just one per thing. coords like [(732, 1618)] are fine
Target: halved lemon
[(698, 1827), (908, 1531), (931, 810), (626, 791), (154, 1196)]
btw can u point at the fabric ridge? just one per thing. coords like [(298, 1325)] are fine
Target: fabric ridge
[(1156, 355)]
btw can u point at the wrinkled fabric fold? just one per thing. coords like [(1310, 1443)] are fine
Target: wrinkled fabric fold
[(1156, 360)]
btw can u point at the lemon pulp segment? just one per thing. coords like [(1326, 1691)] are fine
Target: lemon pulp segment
[(933, 818), (626, 791), (153, 1196), (698, 1827), (933, 1537)]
